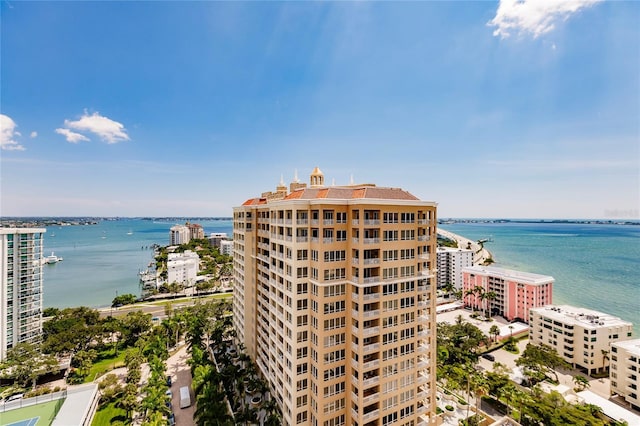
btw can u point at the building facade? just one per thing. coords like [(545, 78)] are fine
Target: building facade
[(335, 301), (21, 251), (195, 231), (215, 238), (624, 370), (182, 268), (226, 247), (451, 261), (581, 336), (179, 234), (505, 292)]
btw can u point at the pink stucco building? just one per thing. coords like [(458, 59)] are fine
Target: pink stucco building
[(505, 292)]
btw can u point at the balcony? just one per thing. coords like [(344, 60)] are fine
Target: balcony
[(371, 222), (371, 296), (372, 240), (371, 415), (372, 313), (302, 239), (423, 238), (371, 347), (302, 222), (372, 261)]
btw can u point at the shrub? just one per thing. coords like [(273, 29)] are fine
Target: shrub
[(438, 410), (462, 401), (448, 407)]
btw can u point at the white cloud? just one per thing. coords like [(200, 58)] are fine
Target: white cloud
[(34, 134), (535, 17), (107, 129), (72, 137), (8, 133)]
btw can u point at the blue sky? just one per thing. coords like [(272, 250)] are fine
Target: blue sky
[(491, 109)]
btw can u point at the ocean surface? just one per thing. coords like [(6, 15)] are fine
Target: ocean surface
[(100, 261), (595, 266)]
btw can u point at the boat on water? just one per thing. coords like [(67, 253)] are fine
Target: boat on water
[(130, 232), (51, 259)]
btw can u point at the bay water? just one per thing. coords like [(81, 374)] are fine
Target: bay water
[(103, 260), (594, 265)]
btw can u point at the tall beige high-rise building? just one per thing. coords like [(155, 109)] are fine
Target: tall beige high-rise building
[(335, 301)]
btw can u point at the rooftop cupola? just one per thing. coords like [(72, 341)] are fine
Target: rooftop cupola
[(317, 178)]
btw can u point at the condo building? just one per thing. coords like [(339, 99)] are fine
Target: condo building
[(182, 268), (625, 369), (179, 234), (451, 261), (505, 292), (21, 286), (581, 336), (335, 301)]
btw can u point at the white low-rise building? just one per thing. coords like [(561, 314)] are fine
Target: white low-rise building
[(450, 263), (182, 268), (581, 336), (226, 247), (625, 369)]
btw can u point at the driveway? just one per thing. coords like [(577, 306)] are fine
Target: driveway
[(180, 374)]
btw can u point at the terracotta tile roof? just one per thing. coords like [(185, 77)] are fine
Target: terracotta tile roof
[(350, 193), (254, 202)]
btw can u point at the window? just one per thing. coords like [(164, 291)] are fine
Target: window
[(341, 235), (341, 217), (333, 323), (390, 217), (334, 290), (333, 373), (390, 236), (334, 356), (335, 274), (334, 389), (335, 256), (390, 255), (332, 307), (407, 235)]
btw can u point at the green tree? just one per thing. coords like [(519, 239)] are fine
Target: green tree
[(24, 363), (123, 299), (540, 360)]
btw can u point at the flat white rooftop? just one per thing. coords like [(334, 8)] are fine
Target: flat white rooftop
[(510, 274), (453, 250), (584, 317), (631, 346), (610, 409)]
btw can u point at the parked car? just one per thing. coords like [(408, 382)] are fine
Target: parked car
[(489, 357)]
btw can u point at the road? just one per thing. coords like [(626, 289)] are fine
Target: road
[(180, 374), (156, 309)]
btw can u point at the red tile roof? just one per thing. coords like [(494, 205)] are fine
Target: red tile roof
[(349, 193)]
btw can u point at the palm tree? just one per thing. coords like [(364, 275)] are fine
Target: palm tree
[(490, 296), (581, 383), (448, 288), (467, 293), (494, 330), (605, 358), (211, 408)]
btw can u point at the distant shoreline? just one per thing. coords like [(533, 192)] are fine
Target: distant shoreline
[(480, 253)]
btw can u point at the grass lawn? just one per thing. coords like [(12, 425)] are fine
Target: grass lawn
[(45, 411), (107, 362), (110, 414)]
